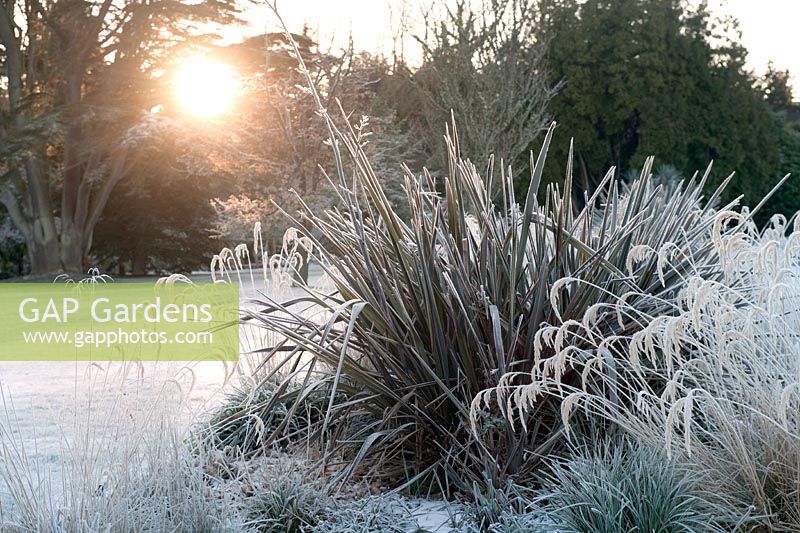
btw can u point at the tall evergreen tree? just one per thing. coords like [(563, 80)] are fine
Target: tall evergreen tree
[(646, 77), (777, 87)]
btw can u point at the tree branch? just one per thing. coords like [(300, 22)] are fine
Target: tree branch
[(57, 29), (13, 57), (118, 171)]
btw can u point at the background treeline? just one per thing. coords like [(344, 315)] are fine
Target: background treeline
[(624, 78)]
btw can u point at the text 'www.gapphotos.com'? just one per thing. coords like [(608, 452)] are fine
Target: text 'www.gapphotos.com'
[(107, 339)]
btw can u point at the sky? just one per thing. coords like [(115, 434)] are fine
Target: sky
[(370, 22), (770, 31), (770, 28)]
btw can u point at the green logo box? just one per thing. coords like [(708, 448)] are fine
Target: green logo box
[(119, 322)]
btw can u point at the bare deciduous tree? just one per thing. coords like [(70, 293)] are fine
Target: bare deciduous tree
[(482, 64), (277, 148)]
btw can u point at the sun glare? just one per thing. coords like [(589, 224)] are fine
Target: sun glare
[(205, 87)]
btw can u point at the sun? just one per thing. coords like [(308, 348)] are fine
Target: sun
[(206, 88)]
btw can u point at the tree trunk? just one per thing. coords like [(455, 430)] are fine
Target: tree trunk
[(44, 256), (139, 260), (52, 253), (71, 250), (50, 257)]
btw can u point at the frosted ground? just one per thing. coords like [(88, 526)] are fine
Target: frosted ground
[(53, 411)]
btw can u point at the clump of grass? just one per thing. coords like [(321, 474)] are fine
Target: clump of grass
[(507, 510), (719, 377), (505, 522), (614, 487), (374, 513), (288, 505), (267, 411), (124, 465)]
